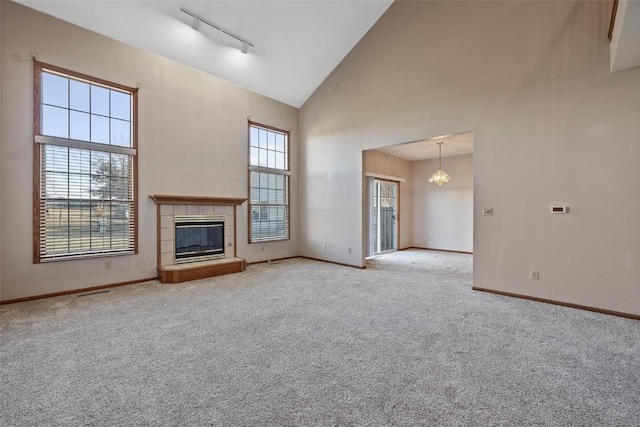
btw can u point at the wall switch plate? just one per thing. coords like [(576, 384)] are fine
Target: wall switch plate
[(535, 275), (324, 247), (487, 211)]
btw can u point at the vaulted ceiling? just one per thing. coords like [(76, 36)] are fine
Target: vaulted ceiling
[(297, 43)]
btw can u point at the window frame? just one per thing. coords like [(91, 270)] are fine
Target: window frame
[(39, 139), (286, 172)]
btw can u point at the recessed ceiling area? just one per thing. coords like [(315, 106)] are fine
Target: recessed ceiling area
[(453, 145), (297, 43)]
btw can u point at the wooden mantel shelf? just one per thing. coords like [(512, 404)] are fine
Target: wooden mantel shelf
[(163, 199)]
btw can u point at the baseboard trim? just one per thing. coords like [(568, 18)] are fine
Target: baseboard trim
[(334, 262), (76, 291), (272, 260), (438, 250), (563, 304)]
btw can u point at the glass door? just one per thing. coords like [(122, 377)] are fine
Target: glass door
[(384, 225)]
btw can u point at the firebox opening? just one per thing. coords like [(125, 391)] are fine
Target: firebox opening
[(198, 237)]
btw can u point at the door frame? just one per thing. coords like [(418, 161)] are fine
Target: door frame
[(370, 183)]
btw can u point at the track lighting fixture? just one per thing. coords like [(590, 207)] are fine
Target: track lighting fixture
[(197, 24)]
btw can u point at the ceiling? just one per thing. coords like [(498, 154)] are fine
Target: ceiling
[(452, 145), (297, 42)]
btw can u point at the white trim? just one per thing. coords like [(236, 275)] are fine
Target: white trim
[(84, 255), (269, 170), (387, 177), (85, 145)]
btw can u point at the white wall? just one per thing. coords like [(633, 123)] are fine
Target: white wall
[(443, 214), (551, 124), (380, 163), (192, 141)]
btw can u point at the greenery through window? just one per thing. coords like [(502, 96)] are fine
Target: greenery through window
[(85, 152), (268, 183)]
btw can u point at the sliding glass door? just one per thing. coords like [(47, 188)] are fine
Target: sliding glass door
[(383, 219)]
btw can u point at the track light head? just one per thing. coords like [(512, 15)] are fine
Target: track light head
[(196, 24)]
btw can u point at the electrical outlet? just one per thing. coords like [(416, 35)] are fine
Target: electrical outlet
[(487, 211), (535, 275), (107, 265), (324, 246)]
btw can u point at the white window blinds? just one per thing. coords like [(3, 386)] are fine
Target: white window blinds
[(86, 201), (268, 184)]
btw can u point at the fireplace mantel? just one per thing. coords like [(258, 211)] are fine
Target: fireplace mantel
[(164, 199)]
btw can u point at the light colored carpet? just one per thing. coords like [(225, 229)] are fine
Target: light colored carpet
[(299, 342)]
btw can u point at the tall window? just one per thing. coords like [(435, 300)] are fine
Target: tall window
[(85, 166), (268, 183)]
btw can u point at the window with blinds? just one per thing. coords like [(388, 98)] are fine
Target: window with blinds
[(85, 151), (268, 183)]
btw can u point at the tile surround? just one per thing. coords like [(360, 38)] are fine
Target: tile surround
[(167, 212)]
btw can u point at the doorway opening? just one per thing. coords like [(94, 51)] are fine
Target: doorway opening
[(425, 215)]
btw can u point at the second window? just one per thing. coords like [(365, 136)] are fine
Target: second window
[(268, 183)]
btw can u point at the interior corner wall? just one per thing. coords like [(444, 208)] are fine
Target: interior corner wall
[(551, 124), (443, 214), (1, 139), (383, 164), (192, 140)]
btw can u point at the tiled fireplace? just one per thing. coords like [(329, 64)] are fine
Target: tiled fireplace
[(205, 228)]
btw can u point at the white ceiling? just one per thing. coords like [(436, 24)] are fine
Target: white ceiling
[(452, 145), (297, 42)]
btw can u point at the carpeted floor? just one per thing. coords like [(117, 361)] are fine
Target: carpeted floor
[(299, 342)]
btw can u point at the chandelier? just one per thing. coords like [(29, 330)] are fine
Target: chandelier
[(440, 177)]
